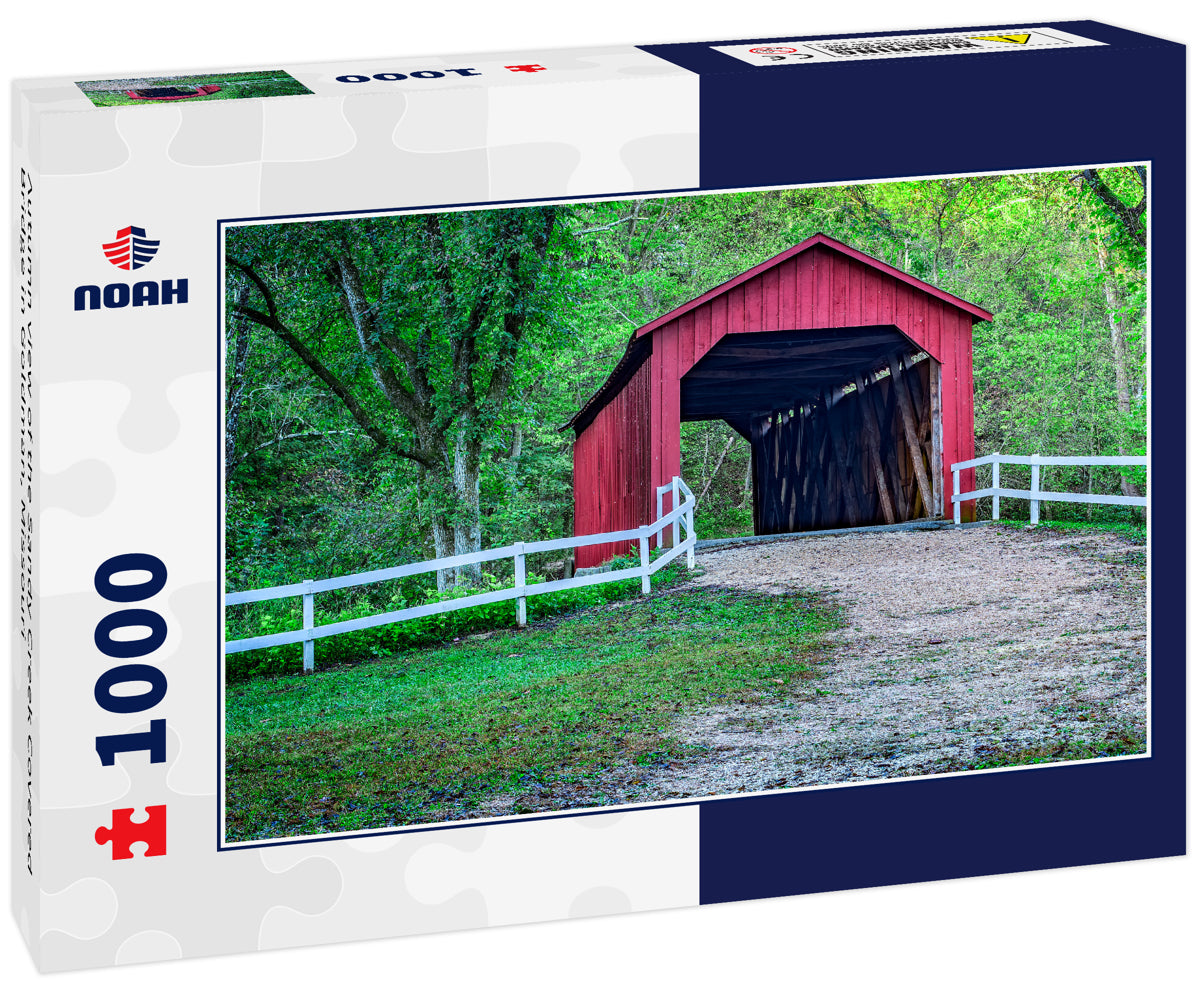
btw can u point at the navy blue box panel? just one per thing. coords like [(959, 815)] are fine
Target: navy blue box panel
[(942, 114), (938, 115), (700, 57), (936, 829)]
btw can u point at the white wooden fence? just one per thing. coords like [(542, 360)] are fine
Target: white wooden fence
[(680, 519), (1035, 494)]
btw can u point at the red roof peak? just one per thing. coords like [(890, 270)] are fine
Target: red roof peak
[(977, 312)]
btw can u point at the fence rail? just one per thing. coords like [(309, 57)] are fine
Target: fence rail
[(1035, 495), (680, 520)]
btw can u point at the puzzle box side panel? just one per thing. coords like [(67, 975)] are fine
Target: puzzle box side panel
[(26, 663), (129, 472)]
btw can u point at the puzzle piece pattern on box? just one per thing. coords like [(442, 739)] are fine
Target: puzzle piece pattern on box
[(218, 135), (534, 871), (298, 131), (149, 946), (91, 146), (85, 909), (374, 900), (509, 166), (93, 448), (544, 868), (581, 116), (385, 168), (650, 160), (205, 901), (83, 489)]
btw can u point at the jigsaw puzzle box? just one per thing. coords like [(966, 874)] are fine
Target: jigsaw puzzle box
[(365, 547)]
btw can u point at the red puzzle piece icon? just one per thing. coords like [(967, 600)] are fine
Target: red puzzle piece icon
[(124, 832)]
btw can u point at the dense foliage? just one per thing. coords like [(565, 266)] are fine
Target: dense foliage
[(397, 387)]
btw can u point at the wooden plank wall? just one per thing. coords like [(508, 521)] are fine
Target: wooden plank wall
[(820, 288), (848, 461), (613, 488)]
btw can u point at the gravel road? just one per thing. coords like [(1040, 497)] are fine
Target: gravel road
[(961, 647)]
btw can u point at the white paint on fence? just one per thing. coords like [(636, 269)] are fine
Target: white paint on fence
[(1035, 494), (681, 516)]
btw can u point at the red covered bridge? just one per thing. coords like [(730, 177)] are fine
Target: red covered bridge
[(851, 380)]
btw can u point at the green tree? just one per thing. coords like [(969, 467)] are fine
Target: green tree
[(421, 326)]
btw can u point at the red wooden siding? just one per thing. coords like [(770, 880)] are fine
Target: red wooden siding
[(613, 488), (819, 284)]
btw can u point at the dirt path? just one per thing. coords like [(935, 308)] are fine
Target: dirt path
[(961, 647)]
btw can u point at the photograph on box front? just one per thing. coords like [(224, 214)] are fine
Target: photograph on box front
[(580, 506), (191, 89)]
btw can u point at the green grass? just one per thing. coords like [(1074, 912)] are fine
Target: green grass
[(1114, 743), (260, 83), (1133, 532), (262, 619), (432, 735)]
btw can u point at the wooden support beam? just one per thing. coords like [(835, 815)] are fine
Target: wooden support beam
[(843, 465), (783, 349), (935, 438), (885, 407), (850, 421), (820, 469), (910, 432), (903, 487), (874, 444), (796, 467)]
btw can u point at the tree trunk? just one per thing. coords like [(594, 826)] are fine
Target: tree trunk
[(481, 326), (1118, 328), (716, 470), (236, 393), (468, 531)]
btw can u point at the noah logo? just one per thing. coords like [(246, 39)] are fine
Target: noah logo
[(131, 250)]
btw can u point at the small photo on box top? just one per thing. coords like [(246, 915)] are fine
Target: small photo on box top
[(464, 581), (208, 87)]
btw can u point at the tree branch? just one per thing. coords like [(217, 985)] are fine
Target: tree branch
[(605, 228), (1129, 216), (298, 434), (362, 316), (361, 415)]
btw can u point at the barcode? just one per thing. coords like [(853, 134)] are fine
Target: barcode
[(889, 48)]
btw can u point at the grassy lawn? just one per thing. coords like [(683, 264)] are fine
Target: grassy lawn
[(432, 734), (1119, 740), (260, 83)]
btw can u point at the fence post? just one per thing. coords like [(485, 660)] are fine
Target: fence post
[(691, 534), (309, 646), (957, 504), (995, 486), (1035, 480), (658, 518), (519, 580), (644, 554), (675, 507)]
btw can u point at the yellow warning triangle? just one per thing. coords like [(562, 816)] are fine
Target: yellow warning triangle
[(1015, 39)]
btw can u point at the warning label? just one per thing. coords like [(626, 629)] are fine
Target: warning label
[(1020, 39), (828, 50)]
